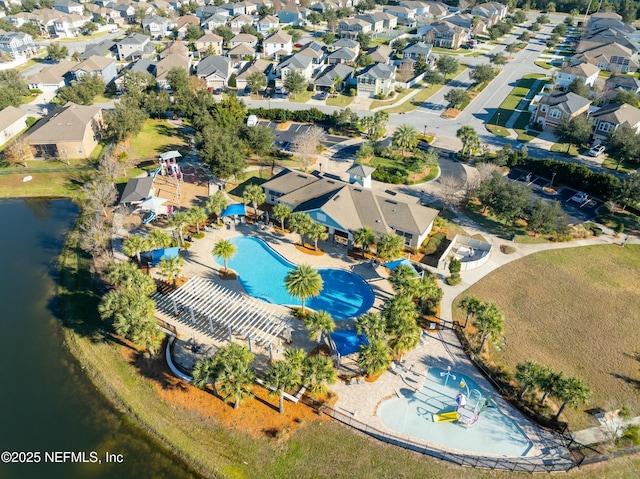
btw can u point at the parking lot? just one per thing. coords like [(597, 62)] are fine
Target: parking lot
[(285, 138), (576, 212)]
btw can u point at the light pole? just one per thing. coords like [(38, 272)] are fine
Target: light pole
[(498, 119), (425, 130), (553, 176)]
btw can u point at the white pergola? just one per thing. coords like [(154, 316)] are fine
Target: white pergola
[(221, 312)]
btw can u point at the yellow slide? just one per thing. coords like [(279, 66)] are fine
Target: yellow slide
[(446, 417)]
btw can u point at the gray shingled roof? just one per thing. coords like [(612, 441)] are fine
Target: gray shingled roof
[(214, 64), (568, 102), (137, 189)]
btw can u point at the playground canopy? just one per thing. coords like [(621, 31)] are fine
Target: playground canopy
[(152, 204), (170, 155), (234, 209), (137, 189), (347, 342), (391, 265), (154, 257)]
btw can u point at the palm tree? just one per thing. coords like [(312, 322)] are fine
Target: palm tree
[(128, 311), (469, 138), (198, 215), (225, 249), (178, 221), (317, 232), (300, 223), (364, 237), (281, 376), (389, 246), (295, 357), (374, 358), (204, 372), (372, 325), (171, 267), (527, 374), (403, 280), (128, 276), (319, 323), (548, 381), (134, 245), (471, 305), (234, 373), (405, 137), (254, 194), (148, 336), (401, 324), (216, 203), (572, 392), (281, 212), (426, 289), (317, 373), (490, 322), (303, 282), (159, 239)]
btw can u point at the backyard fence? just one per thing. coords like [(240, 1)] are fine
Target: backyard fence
[(523, 464)]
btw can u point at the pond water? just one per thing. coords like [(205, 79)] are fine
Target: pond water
[(47, 404)]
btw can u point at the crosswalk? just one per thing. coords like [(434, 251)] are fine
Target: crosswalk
[(221, 313)]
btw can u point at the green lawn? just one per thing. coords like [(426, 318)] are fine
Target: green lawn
[(498, 130), (574, 309), (502, 115), (341, 101), (252, 177), (520, 127), (562, 148), (303, 97), (544, 65), (391, 101), (156, 137), (423, 95), (611, 219), (625, 166)]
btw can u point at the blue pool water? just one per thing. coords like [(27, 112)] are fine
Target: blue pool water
[(261, 271), (493, 433)]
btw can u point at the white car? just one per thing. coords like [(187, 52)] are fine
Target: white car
[(597, 150), (579, 197)]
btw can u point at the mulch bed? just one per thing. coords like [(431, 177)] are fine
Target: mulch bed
[(308, 249)]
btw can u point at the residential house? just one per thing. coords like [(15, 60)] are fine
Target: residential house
[(381, 54), (209, 44), (586, 72), (299, 63), (602, 20), (208, 10), (183, 22), (491, 12), (553, 108), (292, 15), (345, 43), (377, 24), (335, 76), (68, 6), (376, 80), (443, 34), (344, 208), (277, 45), (242, 51), (127, 13), (214, 21), (164, 66), (69, 132), (625, 82), (406, 16), (426, 10), (322, 7), (17, 44), (234, 8), (416, 49), (176, 48), (267, 24), (51, 78), (132, 47), (351, 27), (475, 25), (610, 57), (215, 70), (104, 48), (157, 26), (12, 121), (250, 8), (342, 56), (314, 50), (607, 119), (250, 68), (69, 25), (139, 66), (389, 22), (102, 67), (243, 39), (240, 21)]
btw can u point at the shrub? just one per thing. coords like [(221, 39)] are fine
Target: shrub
[(619, 228), (310, 87), (455, 266), (30, 121), (454, 280), (507, 249), (433, 244), (198, 235)]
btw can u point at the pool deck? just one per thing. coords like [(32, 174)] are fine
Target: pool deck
[(439, 349)]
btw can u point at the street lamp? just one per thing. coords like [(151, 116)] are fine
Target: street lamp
[(498, 118), (425, 130), (553, 176)]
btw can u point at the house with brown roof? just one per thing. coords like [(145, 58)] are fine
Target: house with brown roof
[(277, 45), (610, 57), (258, 65), (343, 208), (558, 105), (164, 66), (71, 131), (610, 117), (444, 34), (51, 78), (209, 44), (102, 67)]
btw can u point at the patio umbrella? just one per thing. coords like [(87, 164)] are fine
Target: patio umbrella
[(152, 204)]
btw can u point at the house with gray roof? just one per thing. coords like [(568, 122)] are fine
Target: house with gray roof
[(376, 80), (625, 82), (298, 63), (314, 50), (132, 47), (444, 34), (17, 44), (214, 21), (343, 208), (326, 79), (342, 55), (612, 57), (553, 108), (416, 49), (104, 48), (607, 119), (215, 70), (267, 24), (157, 26), (102, 67), (12, 121), (345, 43), (585, 72), (68, 6), (51, 78)]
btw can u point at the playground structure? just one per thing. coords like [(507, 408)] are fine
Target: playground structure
[(468, 408)]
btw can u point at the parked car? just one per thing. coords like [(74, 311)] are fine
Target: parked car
[(596, 150), (579, 197), (322, 95)]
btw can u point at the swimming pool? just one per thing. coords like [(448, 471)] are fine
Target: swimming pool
[(261, 271), (412, 414)]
